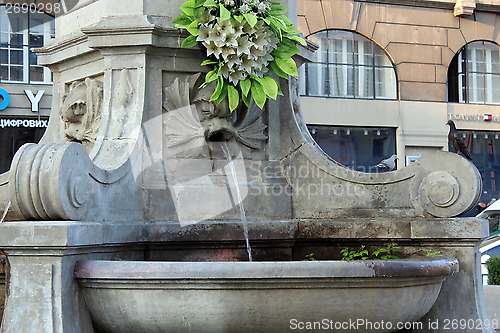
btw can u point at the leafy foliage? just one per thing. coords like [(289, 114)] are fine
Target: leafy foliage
[(493, 265), (244, 40), (363, 254), (310, 257)]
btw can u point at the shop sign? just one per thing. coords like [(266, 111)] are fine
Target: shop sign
[(26, 123), (473, 117), (33, 99)]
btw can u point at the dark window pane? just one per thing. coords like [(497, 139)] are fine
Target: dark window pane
[(358, 148), (16, 57), (16, 39), (36, 73), (4, 73), (36, 40), (4, 56), (33, 59), (16, 73)]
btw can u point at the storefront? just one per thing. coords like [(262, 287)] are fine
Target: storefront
[(25, 87)]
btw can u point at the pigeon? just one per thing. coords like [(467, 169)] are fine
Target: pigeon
[(388, 164), (456, 140)]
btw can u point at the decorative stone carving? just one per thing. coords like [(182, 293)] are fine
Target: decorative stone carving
[(192, 119), (464, 7), (51, 181), (81, 111)]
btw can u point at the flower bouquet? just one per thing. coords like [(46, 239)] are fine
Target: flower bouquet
[(244, 40)]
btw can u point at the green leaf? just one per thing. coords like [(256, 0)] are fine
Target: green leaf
[(218, 89), (278, 70), (208, 62), (188, 4), (258, 94), (193, 28), (270, 86), (286, 49), (233, 97), (223, 93), (297, 39), (246, 99), (245, 86), (211, 76), (287, 65), (210, 3), (190, 41), (277, 10), (251, 19), (239, 18), (182, 20), (274, 27), (224, 13)]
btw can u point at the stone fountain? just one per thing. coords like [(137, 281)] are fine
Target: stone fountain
[(130, 189)]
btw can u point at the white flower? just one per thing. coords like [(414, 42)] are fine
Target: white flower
[(262, 7), (229, 2), (225, 26), (203, 33), (226, 52), (212, 49), (243, 46), (245, 8), (246, 64), (216, 34), (236, 75), (233, 60)]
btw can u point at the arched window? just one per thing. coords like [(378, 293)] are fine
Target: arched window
[(474, 74), (348, 65), (19, 33)]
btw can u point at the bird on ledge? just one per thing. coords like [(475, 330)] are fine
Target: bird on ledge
[(456, 140)]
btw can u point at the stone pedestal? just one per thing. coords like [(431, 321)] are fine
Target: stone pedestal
[(42, 257)]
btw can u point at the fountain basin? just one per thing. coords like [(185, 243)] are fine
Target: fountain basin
[(139, 296)]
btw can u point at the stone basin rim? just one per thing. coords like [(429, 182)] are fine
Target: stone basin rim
[(134, 270)]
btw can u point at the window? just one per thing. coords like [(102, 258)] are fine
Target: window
[(348, 65), (19, 33), (474, 74), (484, 147), (359, 148)]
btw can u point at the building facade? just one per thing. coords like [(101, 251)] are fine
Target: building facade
[(389, 74), (25, 87)]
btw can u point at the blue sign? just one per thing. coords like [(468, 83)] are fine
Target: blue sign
[(6, 99)]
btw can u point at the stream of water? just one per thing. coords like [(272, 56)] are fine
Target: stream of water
[(225, 148)]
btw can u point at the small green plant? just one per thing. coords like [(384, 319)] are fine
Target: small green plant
[(361, 254), (310, 257), (493, 265), (386, 253), (433, 253)]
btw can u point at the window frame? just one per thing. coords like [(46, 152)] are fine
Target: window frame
[(471, 80), (28, 65), (353, 68)]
